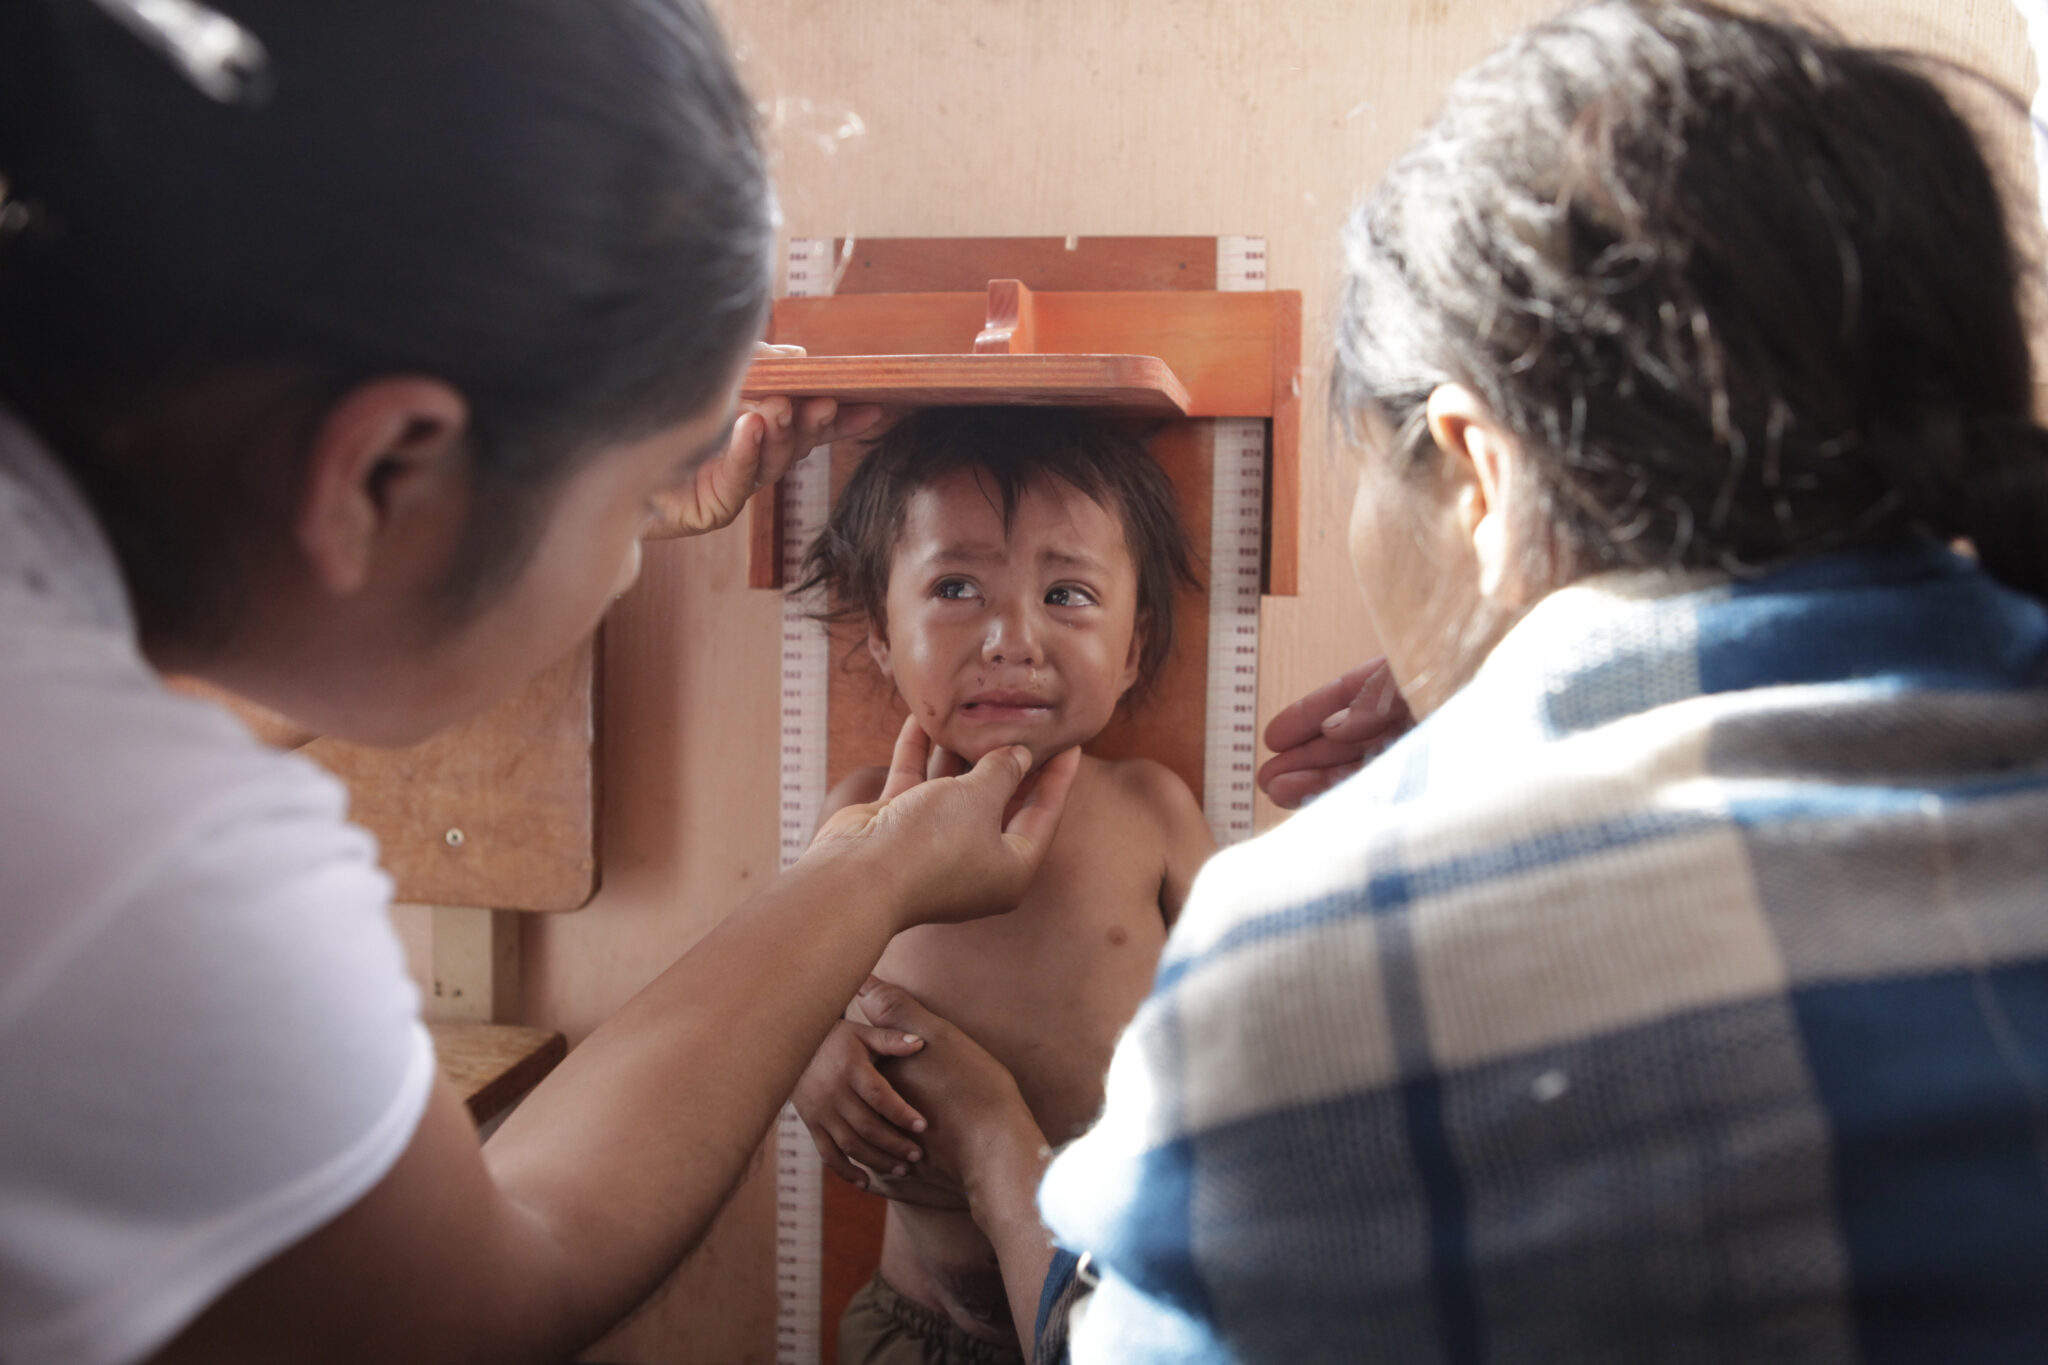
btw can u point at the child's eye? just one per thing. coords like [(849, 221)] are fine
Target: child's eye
[(1069, 596), (955, 589)]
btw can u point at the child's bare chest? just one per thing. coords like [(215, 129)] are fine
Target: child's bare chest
[(1048, 987)]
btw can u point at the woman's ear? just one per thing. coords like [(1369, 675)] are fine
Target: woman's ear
[(1493, 475), (878, 645), (388, 474)]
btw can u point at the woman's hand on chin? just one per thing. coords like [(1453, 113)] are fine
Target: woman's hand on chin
[(955, 847)]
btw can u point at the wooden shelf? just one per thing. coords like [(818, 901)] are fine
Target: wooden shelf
[(492, 1066), (1120, 383), (497, 811), (1169, 354)]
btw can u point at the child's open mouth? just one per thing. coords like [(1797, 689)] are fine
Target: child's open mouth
[(990, 708)]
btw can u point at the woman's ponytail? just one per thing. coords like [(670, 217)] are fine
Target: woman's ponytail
[(28, 66), (2004, 504), (1976, 477), (25, 71)]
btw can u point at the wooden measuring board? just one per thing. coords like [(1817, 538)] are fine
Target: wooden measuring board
[(937, 317), (1236, 353), (1139, 385), (497, 812), (805, 497)]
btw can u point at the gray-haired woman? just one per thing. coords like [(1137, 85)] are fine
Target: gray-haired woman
[(1677, 988)]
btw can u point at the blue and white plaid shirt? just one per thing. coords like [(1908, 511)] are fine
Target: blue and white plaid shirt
[(1677, 992)]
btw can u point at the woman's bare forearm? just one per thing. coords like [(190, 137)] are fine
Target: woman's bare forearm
[(983, 1133), (596, 1186), (616, 1165), (1002, 1192), (626, 1153)]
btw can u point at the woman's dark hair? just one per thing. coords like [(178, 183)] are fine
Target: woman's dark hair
[(1743, 290), (557, 206), (1007, 449)]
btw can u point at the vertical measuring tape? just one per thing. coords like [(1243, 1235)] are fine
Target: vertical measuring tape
[(806, 661), (1236, 542), (1235, 553)]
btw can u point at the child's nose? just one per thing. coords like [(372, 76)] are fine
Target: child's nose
[(1012, 639)]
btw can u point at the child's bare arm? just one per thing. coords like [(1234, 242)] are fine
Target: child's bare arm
[(853, 1113), (987, 1143), (1184, 835)]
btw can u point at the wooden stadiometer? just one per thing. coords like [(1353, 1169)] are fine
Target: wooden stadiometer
[(908, 324), (1117, 383), (1168, 354)]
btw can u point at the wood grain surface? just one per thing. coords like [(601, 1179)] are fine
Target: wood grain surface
[(492, 1066), (1221, 347), (894, 265), (499, 811), (1230, 355), (1012, 325), (1140, 385)]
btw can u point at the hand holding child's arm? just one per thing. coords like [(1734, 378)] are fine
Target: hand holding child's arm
[(983, 1136), (854, 1115)]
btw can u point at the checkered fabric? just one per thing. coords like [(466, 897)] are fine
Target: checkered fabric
[(1677, 992)]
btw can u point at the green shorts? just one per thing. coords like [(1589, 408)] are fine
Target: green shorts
[(881, 1327)]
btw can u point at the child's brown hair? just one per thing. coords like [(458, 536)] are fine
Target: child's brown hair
[(1007, 449)]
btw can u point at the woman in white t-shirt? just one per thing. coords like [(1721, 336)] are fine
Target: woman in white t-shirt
[(346, 352)]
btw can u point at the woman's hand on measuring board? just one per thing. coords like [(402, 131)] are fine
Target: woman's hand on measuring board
[(853, 1114), (1333, 732), (952, 847), (768, 436)]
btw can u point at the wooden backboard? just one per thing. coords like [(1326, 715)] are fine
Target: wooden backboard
[(500, 811), (935, 296)]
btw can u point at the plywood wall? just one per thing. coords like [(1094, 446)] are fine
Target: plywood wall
[(1004, 117)]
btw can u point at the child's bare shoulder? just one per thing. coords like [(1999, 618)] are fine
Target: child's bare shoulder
[(1150, 794), (1148, 785), (858, 786)]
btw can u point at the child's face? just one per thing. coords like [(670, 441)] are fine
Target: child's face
[(1026, 638)]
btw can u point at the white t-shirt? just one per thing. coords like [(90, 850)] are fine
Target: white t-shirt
[(209, 1045)]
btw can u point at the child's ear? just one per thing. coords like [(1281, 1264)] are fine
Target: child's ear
[(878, 645), (1133, 659)]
